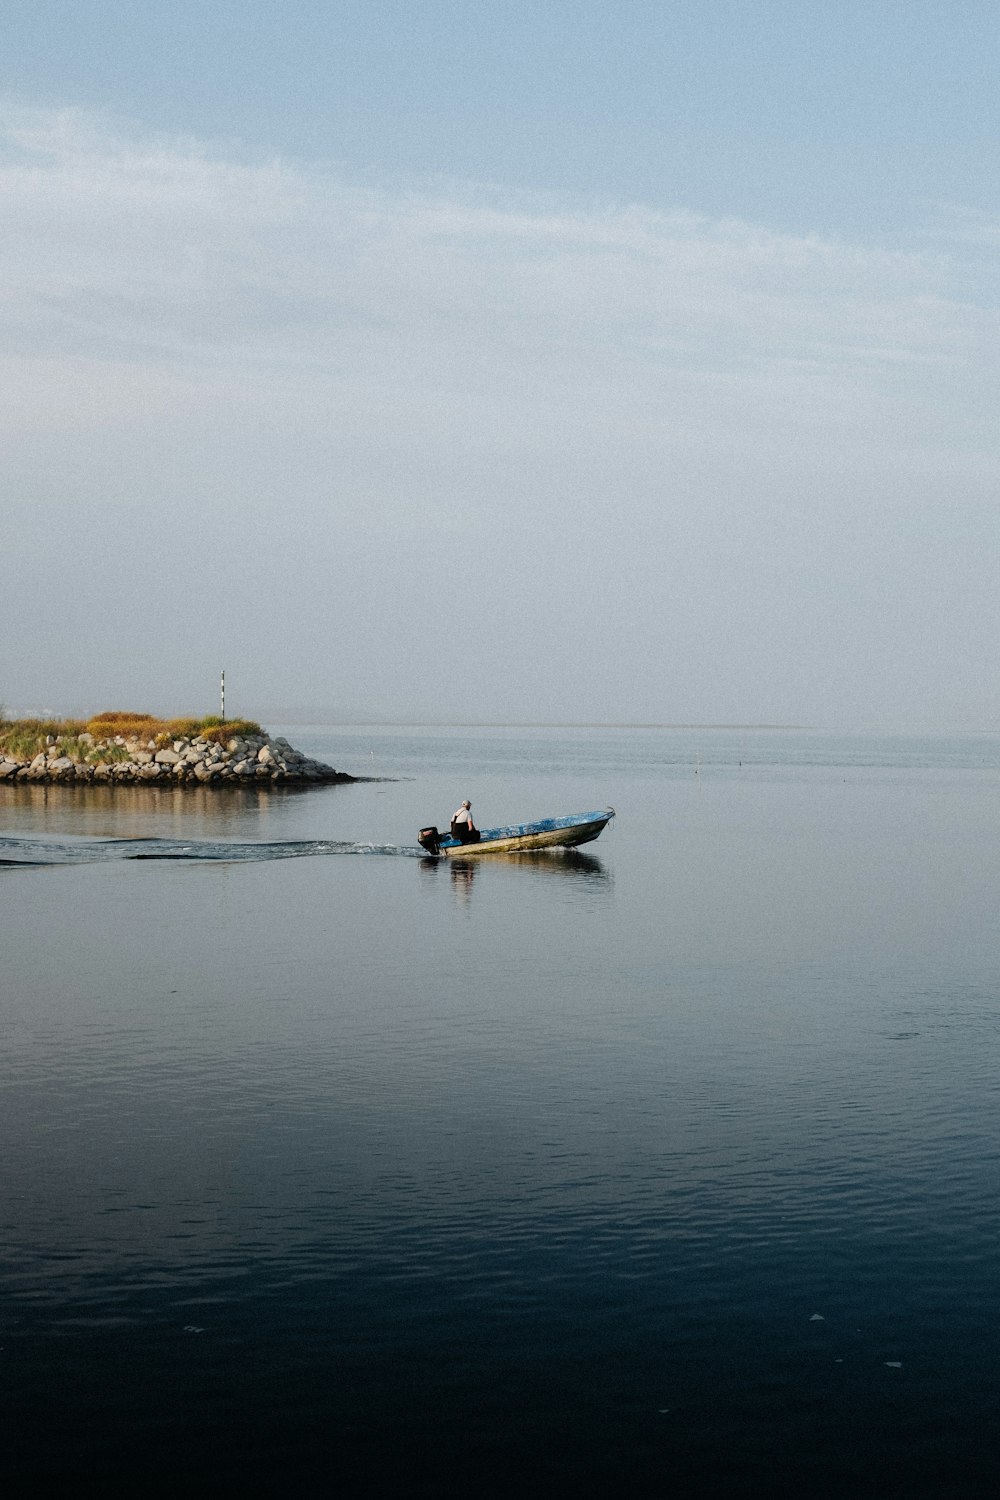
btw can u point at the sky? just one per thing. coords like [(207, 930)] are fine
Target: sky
[(501, 362)]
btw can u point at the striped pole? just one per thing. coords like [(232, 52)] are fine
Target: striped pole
[(222, 694)]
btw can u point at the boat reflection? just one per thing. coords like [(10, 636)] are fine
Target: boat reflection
[(463, 873), (567, 862), (561, 862)]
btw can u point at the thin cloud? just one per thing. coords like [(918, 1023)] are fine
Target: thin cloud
[(146, 248), (741, 423)]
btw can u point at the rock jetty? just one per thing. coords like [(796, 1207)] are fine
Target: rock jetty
[(240, 761)]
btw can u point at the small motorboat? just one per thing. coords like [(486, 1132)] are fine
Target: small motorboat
[(520, 838)]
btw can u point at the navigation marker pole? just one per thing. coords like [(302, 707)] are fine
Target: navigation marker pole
[(222, 694)]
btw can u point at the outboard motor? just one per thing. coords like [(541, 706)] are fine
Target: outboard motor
[(430, 839)]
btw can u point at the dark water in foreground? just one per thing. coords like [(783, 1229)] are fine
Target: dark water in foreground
[(670, 1167)]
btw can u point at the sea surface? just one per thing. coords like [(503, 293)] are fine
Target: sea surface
[(670, 1166)]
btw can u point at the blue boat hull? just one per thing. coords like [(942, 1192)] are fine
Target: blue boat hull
[(522, 838)]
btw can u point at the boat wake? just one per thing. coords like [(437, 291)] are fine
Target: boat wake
[(15, 851)]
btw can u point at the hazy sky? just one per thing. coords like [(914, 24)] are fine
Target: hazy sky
[(505, 361)]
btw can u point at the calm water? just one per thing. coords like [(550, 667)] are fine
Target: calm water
[(667, 1168)]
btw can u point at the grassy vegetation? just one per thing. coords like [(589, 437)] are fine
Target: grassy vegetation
[(23, 739), (147, 727)]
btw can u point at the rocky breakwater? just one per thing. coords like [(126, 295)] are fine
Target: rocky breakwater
[(243, 760)]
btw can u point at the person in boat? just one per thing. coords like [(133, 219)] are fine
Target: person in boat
[(462, 826)]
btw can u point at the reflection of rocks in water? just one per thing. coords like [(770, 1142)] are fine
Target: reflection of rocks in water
[(125, 811)]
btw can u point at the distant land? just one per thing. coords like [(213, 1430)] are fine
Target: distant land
[(367, 723)]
